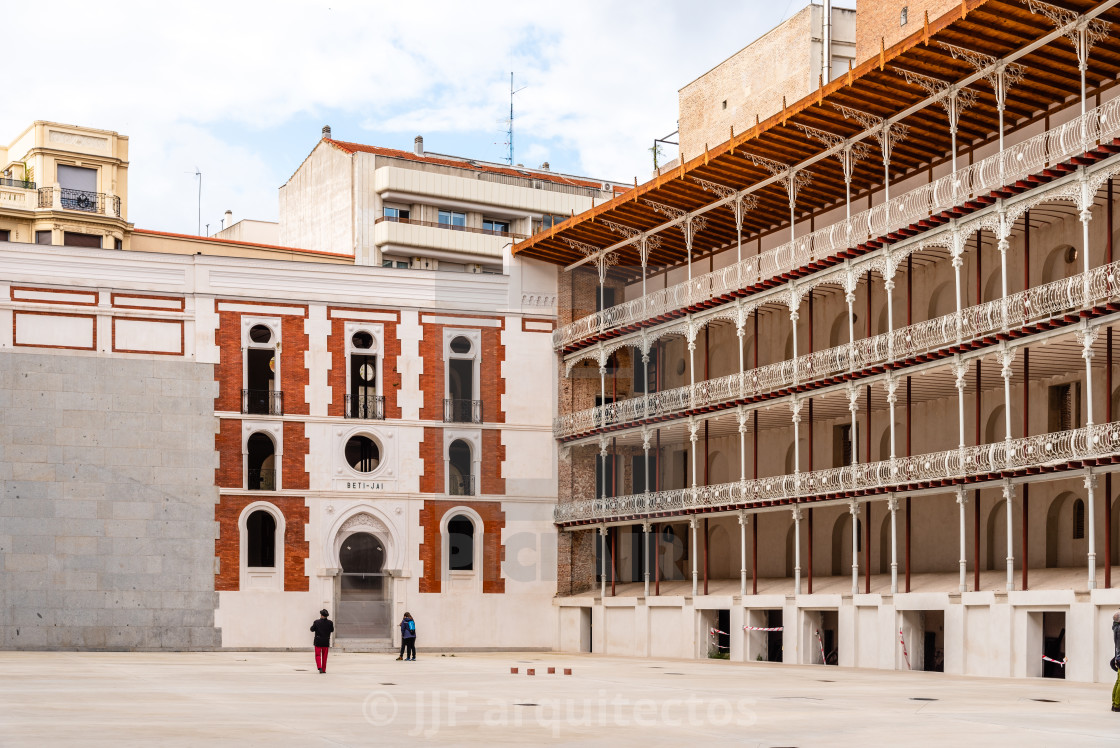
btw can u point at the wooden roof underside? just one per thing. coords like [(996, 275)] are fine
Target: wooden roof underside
[(877, 87)]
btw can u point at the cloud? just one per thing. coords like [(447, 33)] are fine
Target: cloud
[(220, 86)]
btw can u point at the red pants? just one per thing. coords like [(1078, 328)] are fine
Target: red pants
[(321, 657)]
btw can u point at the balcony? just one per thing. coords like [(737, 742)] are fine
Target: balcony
[(263, 479), (461, 485), (1065, 450), (450, 227), (262, 402), (368, 407), (1018, 168), (462, 411), (63, 198), (970, 329), (22, 184)]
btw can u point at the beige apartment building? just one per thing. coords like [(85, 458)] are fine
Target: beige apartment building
[(421, 210), (65, 185)]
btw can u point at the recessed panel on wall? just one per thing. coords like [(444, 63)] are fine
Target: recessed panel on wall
[(55, 330), (148, 336)]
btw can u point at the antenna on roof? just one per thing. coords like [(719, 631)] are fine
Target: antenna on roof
[(509, 132)]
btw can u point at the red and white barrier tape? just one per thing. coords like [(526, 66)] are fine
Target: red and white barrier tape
[(820, 642), (713, 632), (1061, 662), (762, 628), (905, 654)]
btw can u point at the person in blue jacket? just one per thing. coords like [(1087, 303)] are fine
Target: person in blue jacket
[(408, 638)]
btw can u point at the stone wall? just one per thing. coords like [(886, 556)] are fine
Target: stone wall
[(106, 503)]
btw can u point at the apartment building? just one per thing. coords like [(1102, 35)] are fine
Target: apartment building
[(64, 185), (851, 400)]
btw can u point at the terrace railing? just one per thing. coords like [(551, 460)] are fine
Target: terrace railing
[(1016, 310), (1090, 442)]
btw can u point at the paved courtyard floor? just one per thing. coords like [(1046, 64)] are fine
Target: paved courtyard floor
[(257, 698)]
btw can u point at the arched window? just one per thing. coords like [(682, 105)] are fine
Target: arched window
[(460, 482), (261, 547), (460, 544), (1079, 520), (261, 463), (261, 394)]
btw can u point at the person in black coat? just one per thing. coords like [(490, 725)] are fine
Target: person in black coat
[(408, 638), (323, 629)]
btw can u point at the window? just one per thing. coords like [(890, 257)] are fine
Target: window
[(498, 227), (118, 244), (362, 454), (1079, 520), (460, 481), (649, 368), (604, 298), (261, 396), (461, 403), (5, 235), (399, 264), (260, 463), (460, 544), (842, 445), (452, 219), (79, 187), (904, 16), (1065, 407), (725, 103), (261, 530), (546, 222), (396, 214), (72, 239), (363, 398), (43, 237)]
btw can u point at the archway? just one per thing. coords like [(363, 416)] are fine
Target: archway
[(885, 545), (997, 534), (995, 429), (943, 300), (363, 607), (260, 474)]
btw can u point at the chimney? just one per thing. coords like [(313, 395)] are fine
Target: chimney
[(544, 166), (326, 131), (418, 145), (227, 221)]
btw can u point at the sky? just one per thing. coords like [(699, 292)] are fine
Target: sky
[(240, 90)]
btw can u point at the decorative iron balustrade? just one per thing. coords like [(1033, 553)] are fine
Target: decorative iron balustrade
[(262, 402), (1087, 443), (462, 411), (87, 202), (1015, 163), (263, 479), (370, 407), (20, 183), (461, 485), (1018, 309)]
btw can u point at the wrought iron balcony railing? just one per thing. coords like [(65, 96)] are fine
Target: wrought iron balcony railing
[(1015, 163), (461, 485), (462, 411), (1088, 443), (87, 202), (366, 406), (262, 402), (263, 479), (1014, 311)]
